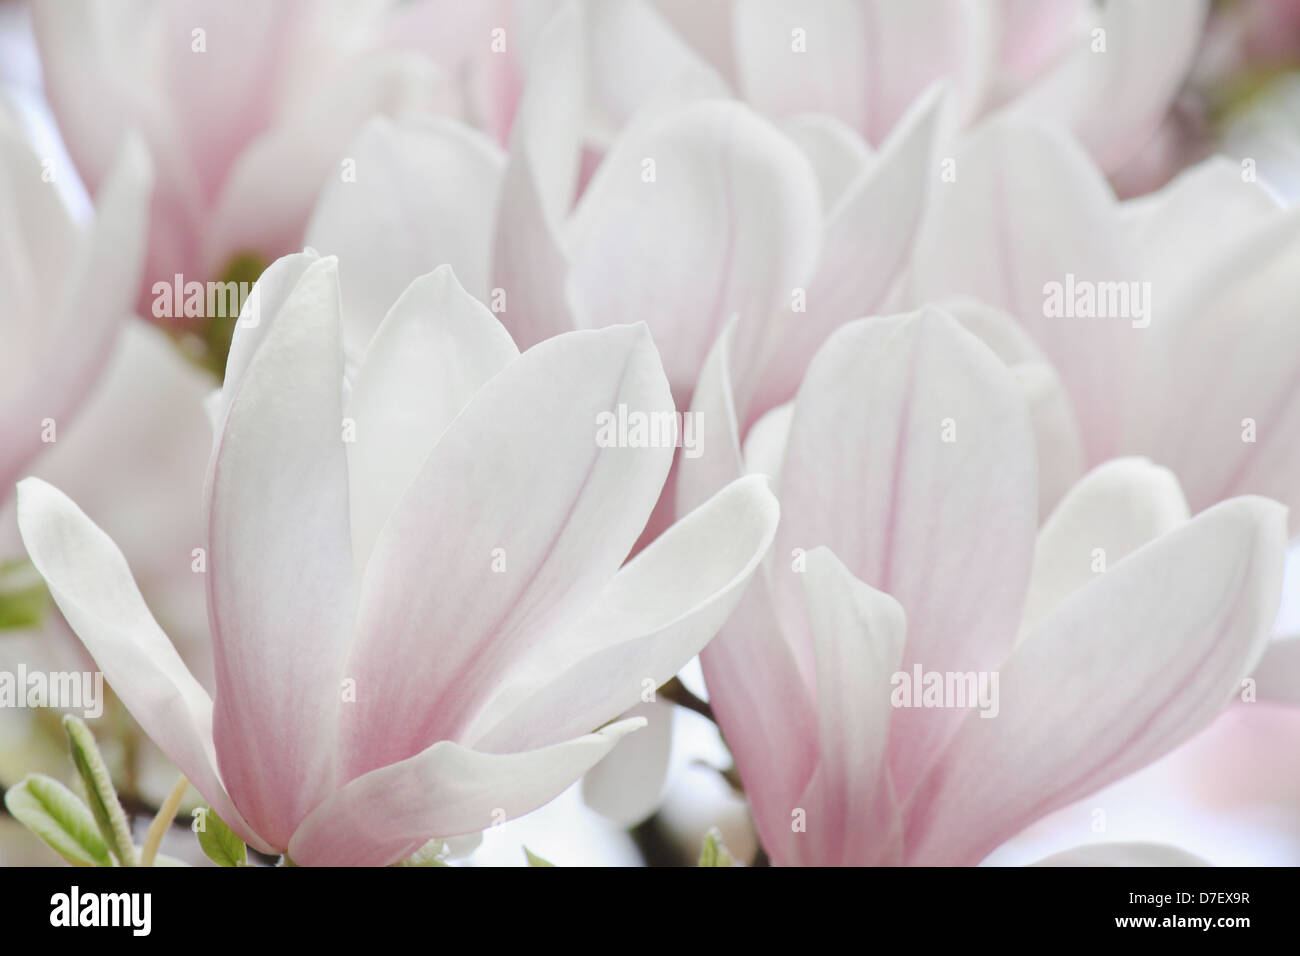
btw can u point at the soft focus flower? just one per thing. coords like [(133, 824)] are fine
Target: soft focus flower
[(245, 106), (416, 579), (67, 292), (1169, 319), (1106, 71), (134, 457), (909, 542)]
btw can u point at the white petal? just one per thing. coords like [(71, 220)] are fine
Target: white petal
[(92, 585), (1114, 510), (1123, 671), (424, 194), (444, 791), (654, 616), (728, 225), (627, 785), (434, 350)]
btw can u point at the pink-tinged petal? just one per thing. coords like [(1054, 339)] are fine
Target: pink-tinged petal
[(532, 518), (528, 257), (266, 201), (100, 77), (1278, 675), (1123, 854), (444, 791), (220, 98), (280, 577), (858, 633), (433, 351), (1029, 209), (84, 307), (1114, 509), (1123, 671), (423, 195), (725, 223), (865, 242), (1224, 373), (627, 785), (1056, 429), (911, 457), (1033, 35), (707, 28), (93, 78), (657, 613), (860, 62), (93, 587), (766, 711), (1114, 98)]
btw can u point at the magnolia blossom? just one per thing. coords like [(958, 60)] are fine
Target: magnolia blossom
[(909, 545), (422, 620), (1107, 71), (245, 107), (698, 210), (1169, 319)]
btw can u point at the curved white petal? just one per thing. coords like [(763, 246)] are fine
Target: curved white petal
[(858, 636), (1123, 671), (1113, 510), (444, 791), (692, 218), (627, 785), (911, 457), (436, 347), (421, 194), (518, 519), (93, 587), (657, 613)]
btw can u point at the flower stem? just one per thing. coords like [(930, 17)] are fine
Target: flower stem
[(166, 814)]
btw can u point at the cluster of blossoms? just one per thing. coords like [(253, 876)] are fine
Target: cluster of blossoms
[(908, 400)]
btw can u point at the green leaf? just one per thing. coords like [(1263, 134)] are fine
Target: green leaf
[(433, 853), (23, 595), (99, 791), (535, 860), (57, 816), (218, 841), (714, 852)]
